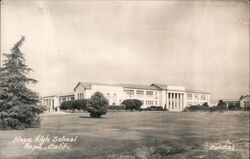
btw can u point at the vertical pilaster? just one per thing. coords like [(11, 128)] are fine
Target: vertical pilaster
[(174, 100), (171, 100), (177, 101), (163, 98), (167, 100)]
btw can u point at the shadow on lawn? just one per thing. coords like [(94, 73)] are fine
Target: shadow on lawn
[(88, 117)]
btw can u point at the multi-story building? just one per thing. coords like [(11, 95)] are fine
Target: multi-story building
[(174, 98)]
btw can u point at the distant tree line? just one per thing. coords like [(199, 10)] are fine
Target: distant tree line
[(220, 107)]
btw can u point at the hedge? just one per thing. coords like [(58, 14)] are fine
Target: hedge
[(116, 108), (155, 108), (79, 104), (195, 108)]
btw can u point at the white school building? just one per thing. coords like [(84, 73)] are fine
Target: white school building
[(174, 98)]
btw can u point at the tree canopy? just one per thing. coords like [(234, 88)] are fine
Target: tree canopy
[(97, 105), (13, 80)]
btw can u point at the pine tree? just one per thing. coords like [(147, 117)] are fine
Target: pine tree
[(13, 80)]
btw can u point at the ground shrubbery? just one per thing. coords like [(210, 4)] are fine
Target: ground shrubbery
[(117, 108), (74, 104), (195, 108), (155, 108), (221, 106), (132, 104)]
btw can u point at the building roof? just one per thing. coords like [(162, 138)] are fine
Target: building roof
[(138, 86), (66, 94), (196, 91), (160, 86), (60, 95), (88, 85), (154, 86)]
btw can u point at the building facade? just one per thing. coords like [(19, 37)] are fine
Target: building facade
[(53, 102), (174, 98), (245, 102)]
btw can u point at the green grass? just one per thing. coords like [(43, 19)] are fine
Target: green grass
[(137, 134)]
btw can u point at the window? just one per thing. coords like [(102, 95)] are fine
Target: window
[(149, 102), (114, 98), (149, 93), (129, 93), (139, 92), (203, 97), (189, 96), (196, 96), (156, 95), (108, 95), (156, 103), (80, 96)]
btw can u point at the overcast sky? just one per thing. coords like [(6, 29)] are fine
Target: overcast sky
[(201, 45)]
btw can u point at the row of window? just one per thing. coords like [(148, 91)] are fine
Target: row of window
[(80, 96), (196, 96), (246, 103), (140, 93), (150, 102), (63, 99), (48, 102), (114, 98)]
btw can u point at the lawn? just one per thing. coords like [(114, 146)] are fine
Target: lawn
[(135, 135)]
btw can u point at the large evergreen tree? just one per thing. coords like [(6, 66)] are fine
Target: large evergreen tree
[(13, 80)]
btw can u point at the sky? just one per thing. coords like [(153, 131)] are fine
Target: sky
[(201, 45)]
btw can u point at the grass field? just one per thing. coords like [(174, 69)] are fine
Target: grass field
[(137, 135)]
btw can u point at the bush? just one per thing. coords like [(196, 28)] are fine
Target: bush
[(116, 107), (155, 108), (219, 108), (132, 104), (97, 105), (20, 117), (74, 104), (234, 107), (195, 108)]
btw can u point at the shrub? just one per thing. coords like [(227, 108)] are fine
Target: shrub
[(205, 104), (155, 108), (74, 104), (194, 108), (97, 105), (116, 107), (132, 104), (219, 108), (234, 107)]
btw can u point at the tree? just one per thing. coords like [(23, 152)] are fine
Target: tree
[(18, 104), (221, 103), (97, 105), (132, 104), (205, 104), (13, 90)]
